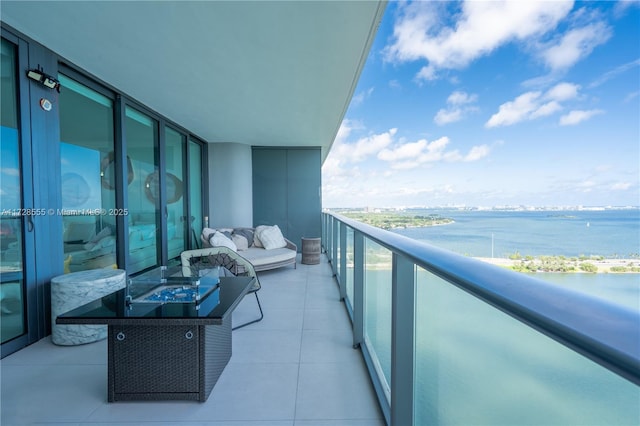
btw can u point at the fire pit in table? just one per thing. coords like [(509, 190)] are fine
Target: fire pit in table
[(173, 294)]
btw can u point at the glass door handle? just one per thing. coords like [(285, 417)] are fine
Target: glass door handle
[(30, 225)]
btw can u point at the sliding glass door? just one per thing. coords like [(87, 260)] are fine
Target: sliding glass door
[(13, 218), (87, 177), (177, 225), (197, 221), (141, 133)]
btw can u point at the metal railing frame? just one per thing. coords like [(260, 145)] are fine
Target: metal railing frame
[(606, 333)]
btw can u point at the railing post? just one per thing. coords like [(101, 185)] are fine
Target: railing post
[(403, 315), (334, 246), (323, 232), (358, 288), (329, 248), (342, 279)]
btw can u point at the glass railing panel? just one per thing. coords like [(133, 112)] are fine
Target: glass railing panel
[(349, 272), (477, 365), (329, 237), (339, 252), (377, 319)]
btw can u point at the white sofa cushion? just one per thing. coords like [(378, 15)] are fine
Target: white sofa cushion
[(271, 237), (256, 236), (260, 257), (240, 242), (219, 239)]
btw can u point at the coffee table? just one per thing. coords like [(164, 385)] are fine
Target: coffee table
[(165, 350)]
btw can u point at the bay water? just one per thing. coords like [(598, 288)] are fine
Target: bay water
[(609, 233), (474, 364), (612, 233)]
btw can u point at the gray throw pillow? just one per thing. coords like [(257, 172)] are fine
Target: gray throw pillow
[(247, 233)]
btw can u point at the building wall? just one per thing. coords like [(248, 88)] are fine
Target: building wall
[(230, 185), (286, 190)]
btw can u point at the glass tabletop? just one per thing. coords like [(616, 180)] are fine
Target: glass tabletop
[(120, 307)]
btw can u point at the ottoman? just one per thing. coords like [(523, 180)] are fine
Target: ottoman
[(70, 291)]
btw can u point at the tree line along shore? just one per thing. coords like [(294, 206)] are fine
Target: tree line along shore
[(389, 221), (563, 264)]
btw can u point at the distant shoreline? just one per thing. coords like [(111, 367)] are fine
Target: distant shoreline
[(603, 266)]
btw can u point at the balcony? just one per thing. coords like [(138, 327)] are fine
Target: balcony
[(296, 367), (445, 340)]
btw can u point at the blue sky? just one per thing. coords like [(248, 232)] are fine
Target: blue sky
[(489, 103)]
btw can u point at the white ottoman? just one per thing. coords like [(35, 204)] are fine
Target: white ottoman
[(70, 291)]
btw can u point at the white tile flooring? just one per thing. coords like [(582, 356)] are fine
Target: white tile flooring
[(296, 367)]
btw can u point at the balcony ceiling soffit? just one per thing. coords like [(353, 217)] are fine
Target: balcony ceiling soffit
[(258, 73)]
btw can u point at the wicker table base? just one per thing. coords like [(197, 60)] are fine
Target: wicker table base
[(163, 362)]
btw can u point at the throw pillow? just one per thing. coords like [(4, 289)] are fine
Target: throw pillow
[(256, 236), (240, 241), (207, 233), (226, 232), (219, 239), (271, 238), (245, 232)]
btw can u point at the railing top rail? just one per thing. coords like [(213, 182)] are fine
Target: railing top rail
[(605, 332)]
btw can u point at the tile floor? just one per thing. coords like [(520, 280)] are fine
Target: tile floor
[(295, 368)]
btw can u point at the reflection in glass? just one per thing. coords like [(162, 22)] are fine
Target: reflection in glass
[(87, 177), (350, 265), (176, 226), (477, 365), (339, 252), (12, 318), (195, 191), (377, 284), (144, 213)]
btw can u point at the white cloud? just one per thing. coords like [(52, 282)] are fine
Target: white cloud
[(603, 168), (477, 152), (427, 73), (360, 97), (575, 45), (482, 27), (461, 98), (344, 155), (374, 167), (370, 145), (515, 111), (621, 186), (445, 116), (563, 92), (411, 155), (578, 116), (631, 96), (532, 105), (614, 73), (407, 150), (343, 151), (405, 165), (10, 171), (622, 5), (546, 109), (458, 105)]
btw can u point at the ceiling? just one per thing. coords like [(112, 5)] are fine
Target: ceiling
[(265, 73)]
